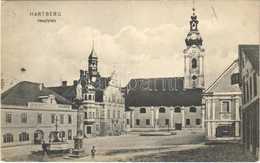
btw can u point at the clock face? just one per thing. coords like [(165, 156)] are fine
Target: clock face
[(193, 25)]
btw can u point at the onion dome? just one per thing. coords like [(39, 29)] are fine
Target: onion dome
[(193, 37)]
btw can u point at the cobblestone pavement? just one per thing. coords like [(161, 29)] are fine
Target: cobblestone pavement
[(116, 148)]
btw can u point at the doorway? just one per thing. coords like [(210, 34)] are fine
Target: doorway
[(38, 137)]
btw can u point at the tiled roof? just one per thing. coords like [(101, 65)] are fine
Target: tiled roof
[(252, 53), (68, 92), (161, 92), (25, 92)]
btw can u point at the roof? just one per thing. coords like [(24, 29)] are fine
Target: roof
[(93, 54), (68, 92), (223, 82), (252, 53), (161, 92), (25, 92)]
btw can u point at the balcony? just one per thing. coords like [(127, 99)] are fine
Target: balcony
[(89, 120)]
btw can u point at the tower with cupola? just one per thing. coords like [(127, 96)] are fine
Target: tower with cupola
[(194, 56)]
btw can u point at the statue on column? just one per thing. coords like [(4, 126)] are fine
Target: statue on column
[(79, 91)]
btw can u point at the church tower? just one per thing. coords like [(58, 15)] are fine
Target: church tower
[(93, 65), (194, 56)]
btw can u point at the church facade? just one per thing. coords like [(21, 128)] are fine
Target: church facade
[(100, 101), (170, 103)]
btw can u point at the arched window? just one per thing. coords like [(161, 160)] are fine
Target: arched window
[(193, 109), (86, 97), (177, 110), (86, 115), (89, 97), (194, 63), (162, 110), (194, 77), (142, 110)]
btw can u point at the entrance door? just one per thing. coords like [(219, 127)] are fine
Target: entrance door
[(178, 126), (88, 129), (38, 137)]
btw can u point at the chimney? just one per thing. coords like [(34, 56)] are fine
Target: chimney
[(64, 83), (75, 83), (81, 73), (41, 86)]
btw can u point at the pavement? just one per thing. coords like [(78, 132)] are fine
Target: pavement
[(115, 148)]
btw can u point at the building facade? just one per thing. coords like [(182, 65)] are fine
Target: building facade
[(100, 101), (223, 107), (170, 102), (29, 112), (249, 82)]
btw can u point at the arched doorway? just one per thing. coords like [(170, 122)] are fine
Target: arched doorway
[(38, 137)]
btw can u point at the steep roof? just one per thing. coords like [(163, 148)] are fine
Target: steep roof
[(252, 53), (223, 82), (68, 92), (25, 92), (161, 92)]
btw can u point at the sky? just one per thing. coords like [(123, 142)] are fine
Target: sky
[(144, 39)]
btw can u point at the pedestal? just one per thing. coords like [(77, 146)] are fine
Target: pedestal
[(78, 150)]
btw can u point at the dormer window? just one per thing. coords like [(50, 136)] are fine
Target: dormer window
[(162, 110), (142, 110)]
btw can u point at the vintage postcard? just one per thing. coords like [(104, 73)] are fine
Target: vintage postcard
[(130, 81)]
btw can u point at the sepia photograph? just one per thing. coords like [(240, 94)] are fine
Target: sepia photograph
[(130, 81)]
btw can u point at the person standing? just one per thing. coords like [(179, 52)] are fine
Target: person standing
[(93, 152)]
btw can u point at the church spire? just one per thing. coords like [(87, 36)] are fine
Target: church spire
[(193, 37)]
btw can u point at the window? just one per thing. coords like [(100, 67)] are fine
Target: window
[(118, 114), (162, 110), (235, 78), (93, 115), (147, 121), (166, 121), (187, 121), (194, 63), (97, 113), (24, 118), (62, 134), (127, 121), (244, 93), (194, 77), (24, 136), (247, 92), (255, 84), (251, 88), (53, 118), (225, 106), (193, 109), (8, 138), (177, 110), (89, 97), (138, 122), (86, 97), (142, 110), (69, 135), (89, 114), (97, 128), (108, 113), (197, 121), (61, 119), (86, 115), (39, 117), (8, 118), (114, 114), (69, 119)]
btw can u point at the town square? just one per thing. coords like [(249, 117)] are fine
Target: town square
[(130, 81)]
